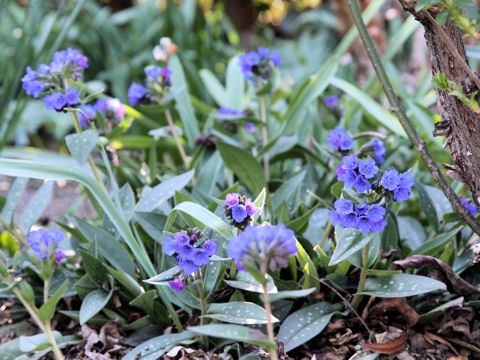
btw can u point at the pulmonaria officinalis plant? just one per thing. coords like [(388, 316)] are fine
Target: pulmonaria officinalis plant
[(239, 210), (259, 64)]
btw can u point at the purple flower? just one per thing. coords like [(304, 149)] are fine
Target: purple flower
[(88, 114), (264, 245), (379, 150), (362, 184), (363, 224), (470, 207), (232, 199), (153, 72), (71, 97), (251, 208), (55, 101), (335, 218), (176, 284), (30, 83), (136, 92), (239, 213), (350, 162), (44, 243), (347, 176), (184, 250), (169, 246), (210, 247), (275, 58), (368, 168), (166, 73), (390, 179), (111, 109), (343, 206), (339, 139), (250, 127), (363, 218), (331, 101), (258, 64), (199, 257), (375, 212), (59, 256)]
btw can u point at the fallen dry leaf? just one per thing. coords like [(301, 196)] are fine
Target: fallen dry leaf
[(108, 345), (440, 271), (430, 338), (390, 347), (396, 304)]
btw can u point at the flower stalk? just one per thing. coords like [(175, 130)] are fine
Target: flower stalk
[(268, 309), (181, 150), (263, 114), (363, 277)]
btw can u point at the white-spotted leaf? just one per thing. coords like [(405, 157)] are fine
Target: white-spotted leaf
[(81, 145), (401, 285), (238, 312)]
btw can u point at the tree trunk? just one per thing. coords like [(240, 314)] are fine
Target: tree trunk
[(460, 124)]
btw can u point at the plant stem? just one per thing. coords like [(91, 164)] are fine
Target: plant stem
[(370, 134), (48, 330), (181, 150), (30, 308), (409, 128), (15, 234), (203, 302), (325, 234), (363, 277), (263, 113), (271, 336)]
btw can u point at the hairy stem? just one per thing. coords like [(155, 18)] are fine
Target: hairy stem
[(363, 277), (271, 336), (203, 301), (263, 114), (325, 234), (48, 330), (395, 102), (181, 150)]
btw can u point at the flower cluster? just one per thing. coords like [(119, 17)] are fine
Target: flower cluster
[(157, 84), (66, 64), (362, 217), (469, 206), (44, 244), (338, 139), (239, 210), (399, 185), (258, 64), (190, 251), (111, 110), (225, 114), (58, 101), (378, 147), (266, 246), (355, 173)]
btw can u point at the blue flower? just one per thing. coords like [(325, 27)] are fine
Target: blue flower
[(251, 208), (166, 73), (331, 101), (264, 246), (339, 139), (71, 97), (136, 92), (232, 199), (199, 257), (229, 112), (239, 213), (176, 284), (344, 206), (470, 207), (258, 64), (184, 250), (111, 109), (275, 58), (347, 176), (55, 101), (390, 179), (210, 247), (187, 266), (169, 246), (153, 72), (88, 114), (364, 218), (30, 83), (44, 243), (379, 150), (250, 127), (405, 183), (350, 162), (368, 168)]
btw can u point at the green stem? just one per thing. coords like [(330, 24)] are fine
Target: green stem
[(48, 330), (181, 150), (30, 308), (363, 277), (271, 336), (15, 234), (409, 128), (325, 234), (263, 113), (203, 301)]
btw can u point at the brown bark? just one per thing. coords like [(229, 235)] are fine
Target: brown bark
[(460, 124)]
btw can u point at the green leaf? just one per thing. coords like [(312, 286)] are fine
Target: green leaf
[(47, 310), (235, 84), (260, 202), (383, 116), (308, 92), (81, 145), (127, 200), (234, 332), (164, 276), (245, 281), (244, 166), (437, 243), (411, 231), (153, 198), (27, 292), (427, 205), (36, 206), (31, 343), (291, 294), (289, 191), (154, 348), (206, 217), (305, 324), (96, 271), (441, 17), (8, 244), (214, 87), (238, 313), (308, 268), (93, 303), (401, 285), (182, 98), (349, 241), (13, 198), (126, 280)]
